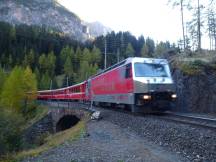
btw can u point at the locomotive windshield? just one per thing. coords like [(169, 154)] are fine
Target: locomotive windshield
[(150, 70)]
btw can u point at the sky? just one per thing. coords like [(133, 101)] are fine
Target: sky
[(150, 18)]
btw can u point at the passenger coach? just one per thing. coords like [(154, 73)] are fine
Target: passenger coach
[(72, 93)]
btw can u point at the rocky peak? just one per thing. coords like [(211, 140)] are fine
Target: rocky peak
[(45, 13)]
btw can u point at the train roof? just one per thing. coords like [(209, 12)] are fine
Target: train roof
[(130, 60), (62, 88), (148, 60)]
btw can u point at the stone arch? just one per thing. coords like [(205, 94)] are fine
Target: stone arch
[(66, 122)]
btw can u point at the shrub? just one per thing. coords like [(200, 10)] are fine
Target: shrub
[(10, 133), (193, 68)]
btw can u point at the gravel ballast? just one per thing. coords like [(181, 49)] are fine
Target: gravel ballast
[(194, 143)]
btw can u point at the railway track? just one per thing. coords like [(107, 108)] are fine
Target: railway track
[(204, 122), (199, 121)]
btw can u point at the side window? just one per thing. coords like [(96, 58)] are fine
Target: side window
[(128, 71)]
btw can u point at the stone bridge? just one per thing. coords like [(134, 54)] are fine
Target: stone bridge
[(61, 116)]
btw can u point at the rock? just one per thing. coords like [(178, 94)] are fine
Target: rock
[(96, 115), (51, 14), (190, 90)]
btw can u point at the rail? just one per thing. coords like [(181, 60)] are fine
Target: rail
[(199, 121)]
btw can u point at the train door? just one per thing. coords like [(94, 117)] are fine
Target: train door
[(128, 78), (88, 89)]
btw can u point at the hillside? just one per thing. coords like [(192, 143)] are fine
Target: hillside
[(96, 29), (47, 13)]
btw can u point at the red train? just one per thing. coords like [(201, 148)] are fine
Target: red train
[(142, 84)]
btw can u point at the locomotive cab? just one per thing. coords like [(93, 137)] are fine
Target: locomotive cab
[(153, 84)]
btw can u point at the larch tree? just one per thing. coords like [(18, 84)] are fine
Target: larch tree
[(51, 63), (30, 84), (2, 78), (45, 82), (29, 88), (77, 60), (96, 55), (86, 55), (12, 93), (129, 51), (37, 74), (43, 63), (151, 46), (68, 67), (65, 52), (29, 59), (83, 72), (19, 89), (145, 51)]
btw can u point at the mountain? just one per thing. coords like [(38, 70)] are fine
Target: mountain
[(48, 13), (96, 29)]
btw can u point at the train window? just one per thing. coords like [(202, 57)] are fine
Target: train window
[(150, 70), (128, 71)]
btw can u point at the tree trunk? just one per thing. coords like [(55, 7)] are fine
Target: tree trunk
[(198, 27), (183, 29)]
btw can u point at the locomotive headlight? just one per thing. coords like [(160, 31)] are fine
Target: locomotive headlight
[(147, 97), (174, 96)]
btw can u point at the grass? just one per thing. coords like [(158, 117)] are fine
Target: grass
[(194, 64), (41, 111), (52, 141), (191, 69), (204, 56)]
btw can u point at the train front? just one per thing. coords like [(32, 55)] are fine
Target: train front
[(153, 84)]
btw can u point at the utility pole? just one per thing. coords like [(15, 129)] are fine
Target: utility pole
[(51, 84), (67, 81), (51, 87), (122, 45), (183, 29), (105, 53)]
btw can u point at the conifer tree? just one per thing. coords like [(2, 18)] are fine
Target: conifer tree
[(19, 89), (30, 90), (83, 72), (145, 51), (30, 84), (29, 59), (129, 51), (86, 55), (68, 67), (12, 92), (96, 55), (43, 63), (2, 78), (51, 63), (78, 57)]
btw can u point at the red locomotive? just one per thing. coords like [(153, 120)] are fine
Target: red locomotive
[(139, 83)]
